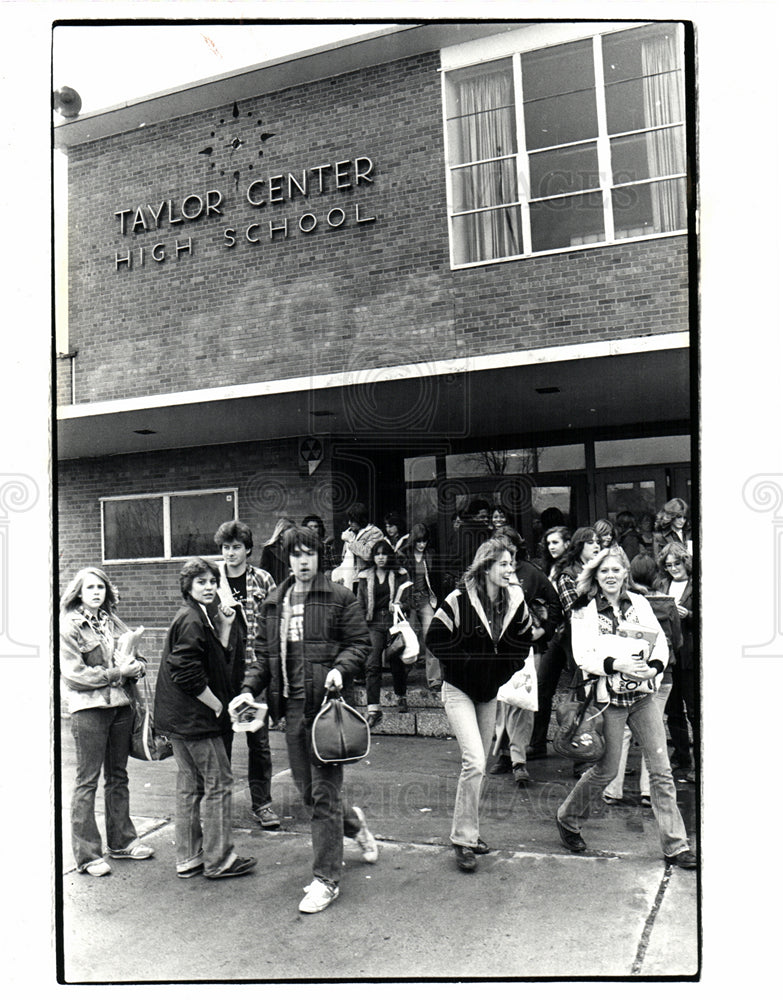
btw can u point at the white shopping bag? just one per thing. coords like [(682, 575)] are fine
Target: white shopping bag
[(405, 629), (521, 690)]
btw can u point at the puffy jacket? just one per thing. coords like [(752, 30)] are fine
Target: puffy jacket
[(335, 635), (460, 636), (192, 660)]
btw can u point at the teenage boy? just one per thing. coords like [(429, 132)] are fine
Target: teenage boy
[(244, 588), (312, 638)]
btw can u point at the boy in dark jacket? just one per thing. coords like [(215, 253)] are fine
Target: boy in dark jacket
[(191, 698), (312, 638)]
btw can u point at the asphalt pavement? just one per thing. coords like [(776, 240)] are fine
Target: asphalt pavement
[(531, 910)]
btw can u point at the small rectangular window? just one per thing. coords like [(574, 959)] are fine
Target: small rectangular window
[(194, 519), (133, 529), (164, 526)]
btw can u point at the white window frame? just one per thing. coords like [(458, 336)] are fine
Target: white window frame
[(512, 45), (165, 499)]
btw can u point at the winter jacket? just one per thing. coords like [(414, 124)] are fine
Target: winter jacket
[(192, 660), (335, 635), (685, 658), (661, 538), (399, 588), (356, 555), (89, 676), (542, 601), (460, 636), (593, 655), (669, 620)]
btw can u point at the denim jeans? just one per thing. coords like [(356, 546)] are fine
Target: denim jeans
[(615, 787), (102, 738), (646, 724), (321, 788), (203, 774), (378, 634), (472, 724), (514, 728), (420, 617), (259, 765)]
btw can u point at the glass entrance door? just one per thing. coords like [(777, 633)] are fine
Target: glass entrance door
[(642, 491), (531, 500)]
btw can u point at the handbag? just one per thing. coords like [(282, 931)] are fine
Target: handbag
[(408, 648), (340, 734), (145, 743), (395, 643), (521, 689), (577, 736)]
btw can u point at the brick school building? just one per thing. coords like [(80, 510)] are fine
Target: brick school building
[(438, 262)]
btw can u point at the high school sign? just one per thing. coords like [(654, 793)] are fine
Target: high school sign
[(266, 197)]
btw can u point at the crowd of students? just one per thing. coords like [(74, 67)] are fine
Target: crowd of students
[(308, 621)]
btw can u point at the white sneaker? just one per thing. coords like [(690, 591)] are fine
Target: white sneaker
[(365, 839), (97, 868), (135, 851), (318, 895)]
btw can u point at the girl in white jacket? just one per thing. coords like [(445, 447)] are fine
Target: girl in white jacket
[(626, 669)]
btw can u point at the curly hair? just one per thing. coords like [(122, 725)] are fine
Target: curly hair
[(671, 509), (679, 552), (315, 519)]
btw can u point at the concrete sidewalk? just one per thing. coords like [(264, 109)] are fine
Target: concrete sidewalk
[(530, 910)]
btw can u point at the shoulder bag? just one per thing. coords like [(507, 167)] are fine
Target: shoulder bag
[(145, 743), (577, 736)]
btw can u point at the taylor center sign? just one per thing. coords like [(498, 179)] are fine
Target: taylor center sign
[(263, 195)]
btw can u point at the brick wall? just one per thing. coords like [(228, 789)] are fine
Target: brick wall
[(150, 591), (336, 299)]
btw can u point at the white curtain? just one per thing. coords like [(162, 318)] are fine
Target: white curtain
[(664, 102), (482, 136)]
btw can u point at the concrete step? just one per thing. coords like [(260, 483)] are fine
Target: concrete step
[(419, 696), (425, 715)]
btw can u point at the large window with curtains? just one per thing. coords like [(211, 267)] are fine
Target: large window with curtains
[(572, 145)]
